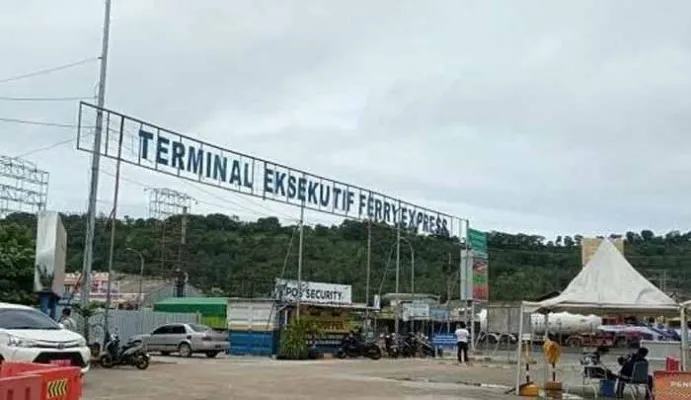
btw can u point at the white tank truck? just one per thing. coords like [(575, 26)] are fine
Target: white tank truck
[(568, 327)]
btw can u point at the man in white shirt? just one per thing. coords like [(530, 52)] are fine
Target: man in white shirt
[(462, 337)]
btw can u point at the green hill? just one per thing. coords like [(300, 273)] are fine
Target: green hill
[(225, 256)]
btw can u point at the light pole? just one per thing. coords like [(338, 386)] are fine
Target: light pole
[(141, 274)]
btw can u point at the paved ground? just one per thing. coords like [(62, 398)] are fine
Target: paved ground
[(173, 378), (255, 378)]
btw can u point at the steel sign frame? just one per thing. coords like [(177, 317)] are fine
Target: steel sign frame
[(152, 147)]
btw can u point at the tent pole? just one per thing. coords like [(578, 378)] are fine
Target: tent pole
[(545, 338), (519, 349), (684, 338)]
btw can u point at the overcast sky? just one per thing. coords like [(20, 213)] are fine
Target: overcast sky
[(534, 116)]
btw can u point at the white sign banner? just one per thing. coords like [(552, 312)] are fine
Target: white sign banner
[(51, 253), (415, 310), (313, 292)]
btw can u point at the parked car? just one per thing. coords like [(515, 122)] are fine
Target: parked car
[(28, 335), (185, 339)]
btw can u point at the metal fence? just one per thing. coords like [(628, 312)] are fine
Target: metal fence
[(128, 323), (499, 330)]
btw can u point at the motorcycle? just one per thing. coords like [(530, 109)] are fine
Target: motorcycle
[(408, 345), (391, 345), (132, 353), (354, 346), (426, 348)]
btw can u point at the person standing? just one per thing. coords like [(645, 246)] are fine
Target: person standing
[(462, 337), (67, 321)]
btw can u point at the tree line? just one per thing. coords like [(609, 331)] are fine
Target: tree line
[(226, 256)]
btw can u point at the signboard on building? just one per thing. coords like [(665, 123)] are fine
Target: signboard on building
[(590, 245), (51, 253), (164, 151), (415, 310), (312, 292)]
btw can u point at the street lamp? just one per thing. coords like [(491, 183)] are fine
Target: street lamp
[(141, 274)]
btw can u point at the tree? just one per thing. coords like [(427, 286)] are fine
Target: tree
[(16, 264)]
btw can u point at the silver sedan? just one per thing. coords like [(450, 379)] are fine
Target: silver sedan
[(185, 339)]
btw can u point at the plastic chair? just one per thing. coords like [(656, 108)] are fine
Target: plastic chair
[(639, 377), (592, 382)]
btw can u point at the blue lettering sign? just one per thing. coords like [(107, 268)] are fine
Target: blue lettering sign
[(225, 168)]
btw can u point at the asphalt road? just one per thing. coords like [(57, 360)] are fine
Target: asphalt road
[(258, 378)]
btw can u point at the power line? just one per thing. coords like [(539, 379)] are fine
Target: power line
[(49, 147), (72, 98), (41, 123), (48, 70)]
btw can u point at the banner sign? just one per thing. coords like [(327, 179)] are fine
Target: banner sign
[(312, 292), (148, 146), (51, 253), (415, 310), (480, 263)]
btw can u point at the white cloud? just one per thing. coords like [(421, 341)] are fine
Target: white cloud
[(546, 117)]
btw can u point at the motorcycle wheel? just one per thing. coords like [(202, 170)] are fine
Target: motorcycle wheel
[(374, 353), (341, 354), (142, 362), (106, 361)]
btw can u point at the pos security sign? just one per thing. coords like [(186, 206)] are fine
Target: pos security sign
[(312, 292)]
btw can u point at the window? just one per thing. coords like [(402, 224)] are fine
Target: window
[(177, 329), (199, 328), (162, 330), (17, 318)]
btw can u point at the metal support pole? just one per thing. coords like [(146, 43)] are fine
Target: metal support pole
[(369, 265), (302, 222), (95, 164), (141, 274), (684, 337), (113, 221), (398, 273), (412, 277)]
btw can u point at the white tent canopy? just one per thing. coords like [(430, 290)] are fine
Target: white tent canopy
[(608, 284)]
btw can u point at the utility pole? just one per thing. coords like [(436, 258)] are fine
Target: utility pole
[(369, 264), (398, 272), (95, 162), (183, 237), (302, 223), (113, 221)]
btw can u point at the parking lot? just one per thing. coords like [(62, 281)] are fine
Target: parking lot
[(256, 378)]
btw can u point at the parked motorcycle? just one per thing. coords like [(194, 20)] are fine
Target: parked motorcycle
[(353, 345), (425, 347), (132, 353), (391, 345)]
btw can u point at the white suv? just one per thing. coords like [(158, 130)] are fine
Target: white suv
[(29, 335)]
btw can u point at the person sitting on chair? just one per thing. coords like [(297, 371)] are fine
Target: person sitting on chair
[(626, 372), (593, 367)]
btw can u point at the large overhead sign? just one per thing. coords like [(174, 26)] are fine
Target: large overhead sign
[(146, 145)]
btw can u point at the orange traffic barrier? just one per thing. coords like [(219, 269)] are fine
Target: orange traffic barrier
[(672, 385), (55, 383), (26, 387)]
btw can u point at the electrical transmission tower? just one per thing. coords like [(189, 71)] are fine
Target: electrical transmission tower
[(23, 187), (166, 205)]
